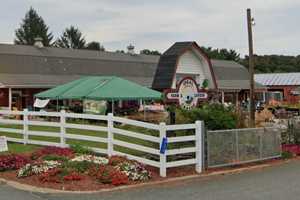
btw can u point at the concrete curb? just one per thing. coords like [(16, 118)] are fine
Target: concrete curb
[(34, 189)]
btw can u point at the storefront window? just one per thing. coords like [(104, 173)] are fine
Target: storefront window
[(277, 96)]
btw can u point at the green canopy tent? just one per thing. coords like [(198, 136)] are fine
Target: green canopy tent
[(108, 88)]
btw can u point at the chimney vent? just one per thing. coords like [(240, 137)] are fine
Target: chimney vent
[(38, 42)]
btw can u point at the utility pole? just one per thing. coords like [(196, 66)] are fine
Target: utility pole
[(250, 21)]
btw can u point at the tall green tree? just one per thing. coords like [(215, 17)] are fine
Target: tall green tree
[(95, 46), (33, 26), (119, 51), (222, 54), (71, 38), (150, 52), (274, 63)]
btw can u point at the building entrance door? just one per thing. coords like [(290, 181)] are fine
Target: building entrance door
[(16, 100)]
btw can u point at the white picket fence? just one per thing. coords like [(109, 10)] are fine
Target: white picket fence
[(111, 130)]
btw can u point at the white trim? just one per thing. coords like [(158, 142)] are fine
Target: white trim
[(181, 162), (9, 99)]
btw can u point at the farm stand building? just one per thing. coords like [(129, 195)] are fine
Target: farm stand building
[(27, 70), (281, 86)]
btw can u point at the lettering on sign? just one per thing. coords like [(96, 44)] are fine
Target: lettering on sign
[(3, 144), (187, 93)]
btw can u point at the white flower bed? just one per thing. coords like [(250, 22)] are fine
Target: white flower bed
[(90, 158), (37, 168), (134, 171)]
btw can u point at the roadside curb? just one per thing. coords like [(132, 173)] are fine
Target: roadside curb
[(34, 189)]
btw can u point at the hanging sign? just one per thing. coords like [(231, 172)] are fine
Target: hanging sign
[(3, 144), (164, 145), (187, 93)]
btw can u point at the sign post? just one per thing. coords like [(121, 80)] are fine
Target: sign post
[(3, 144)]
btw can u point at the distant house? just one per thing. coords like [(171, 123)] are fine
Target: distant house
[(26, 70), (281, 86)]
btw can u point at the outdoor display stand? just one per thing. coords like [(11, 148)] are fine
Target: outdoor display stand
[(108, 88)]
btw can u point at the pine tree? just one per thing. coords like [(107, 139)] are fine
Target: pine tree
[(32, 27), (71, 38)]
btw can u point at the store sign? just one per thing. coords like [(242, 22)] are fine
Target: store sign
[(94, 107), (3, 144), (187, 93), (295, 92)]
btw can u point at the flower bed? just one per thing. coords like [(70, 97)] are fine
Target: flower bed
[(63, 166), (293, 149)]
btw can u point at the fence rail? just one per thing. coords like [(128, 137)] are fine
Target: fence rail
[(239, 146), (110, 137), (143, 141)]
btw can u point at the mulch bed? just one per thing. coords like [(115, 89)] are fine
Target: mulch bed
[(90, 184)]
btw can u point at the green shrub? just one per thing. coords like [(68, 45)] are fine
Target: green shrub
[(80, 167), (55, 158), (287, 155), (215, 116), (79, 149)]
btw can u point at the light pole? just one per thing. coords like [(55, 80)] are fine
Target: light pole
[(250, 22)]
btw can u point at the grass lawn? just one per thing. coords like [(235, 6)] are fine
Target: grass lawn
[(21, 148)]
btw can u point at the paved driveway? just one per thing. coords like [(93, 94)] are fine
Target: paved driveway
[(274, 183)]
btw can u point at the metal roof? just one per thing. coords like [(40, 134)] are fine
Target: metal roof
[(26, 65), (276, 79), (29, 66)]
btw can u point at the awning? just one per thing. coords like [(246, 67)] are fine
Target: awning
[(100, 88)]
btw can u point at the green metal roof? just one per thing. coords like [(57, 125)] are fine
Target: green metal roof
[(100, 88)]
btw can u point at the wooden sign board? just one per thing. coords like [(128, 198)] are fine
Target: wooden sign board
[(3, 144), (187, 93)]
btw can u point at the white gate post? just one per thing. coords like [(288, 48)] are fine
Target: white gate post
[(110, 126), (163, 157), (198, 134), (25, 126), (62, 128)]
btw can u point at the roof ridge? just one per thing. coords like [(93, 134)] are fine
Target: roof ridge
[(91, 53)]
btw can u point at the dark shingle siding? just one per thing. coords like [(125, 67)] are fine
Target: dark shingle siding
[(166, 67)]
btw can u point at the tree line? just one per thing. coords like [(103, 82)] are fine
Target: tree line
[(33, 26)]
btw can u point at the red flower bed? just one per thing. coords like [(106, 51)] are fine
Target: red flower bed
[(115, 160), (118, 178), (67, 152), (50, 176), (12, 162), (292, 148), (107, 174), (74, 176)]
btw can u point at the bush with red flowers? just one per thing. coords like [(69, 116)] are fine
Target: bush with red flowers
[(58, 151), (116, 160), (107, 174), (12, 162), (73, 176), (50, 176), (118, 178), (291, 148)]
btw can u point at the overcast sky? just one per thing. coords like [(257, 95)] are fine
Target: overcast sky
[(157, 24)]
